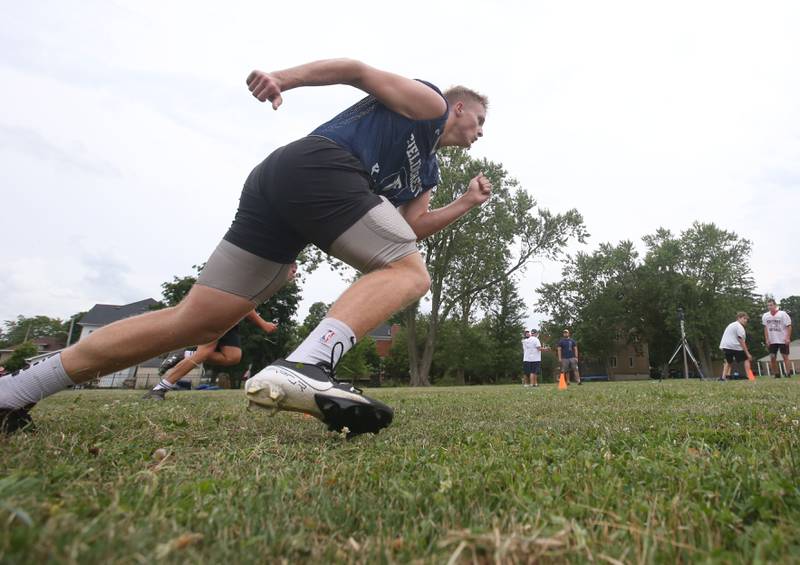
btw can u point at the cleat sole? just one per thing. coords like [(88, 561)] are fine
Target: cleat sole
[(357, 417)]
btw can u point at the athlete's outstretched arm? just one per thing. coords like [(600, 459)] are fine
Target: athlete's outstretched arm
[(427, 222), (405, 96)]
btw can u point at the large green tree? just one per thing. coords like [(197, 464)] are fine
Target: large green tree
[(612, 295), (482, 249), (21, 352), (597, 297), (705, 271)]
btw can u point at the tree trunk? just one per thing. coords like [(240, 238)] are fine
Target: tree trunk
[(413, 353), (427, 357), (460, 380)]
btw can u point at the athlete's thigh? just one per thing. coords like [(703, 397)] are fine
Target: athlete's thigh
[(380, 237)]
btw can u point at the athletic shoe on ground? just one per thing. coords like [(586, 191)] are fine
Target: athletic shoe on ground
[(16, 420), (169, 363), (155, 394), (314, 390)]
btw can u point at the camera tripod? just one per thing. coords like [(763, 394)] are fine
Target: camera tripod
[(687, 351)]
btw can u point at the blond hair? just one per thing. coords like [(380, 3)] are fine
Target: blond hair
[(457, 93)]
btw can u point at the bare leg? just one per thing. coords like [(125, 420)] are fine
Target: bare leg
[(186, 365), (379, 294), (203, 316)]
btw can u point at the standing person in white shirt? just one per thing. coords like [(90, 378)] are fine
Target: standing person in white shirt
[(734, 346), (777, 336), (532, 357), (527, 358)]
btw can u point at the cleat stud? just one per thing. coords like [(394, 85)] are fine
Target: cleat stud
[(276, 393)]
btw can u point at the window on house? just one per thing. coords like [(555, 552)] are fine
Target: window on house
[(630, 362), (613, 362)]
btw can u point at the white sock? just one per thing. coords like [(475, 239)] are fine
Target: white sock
[(164, 385), (319, 344), (30, 385)]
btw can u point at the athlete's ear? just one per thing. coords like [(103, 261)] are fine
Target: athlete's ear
[(458, 108)]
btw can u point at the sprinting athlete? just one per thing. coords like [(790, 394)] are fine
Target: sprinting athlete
[(359, 188)]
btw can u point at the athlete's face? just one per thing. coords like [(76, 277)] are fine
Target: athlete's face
[(772, 307), (468, 118)]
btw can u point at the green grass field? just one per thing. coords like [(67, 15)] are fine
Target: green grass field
[(607, 472)]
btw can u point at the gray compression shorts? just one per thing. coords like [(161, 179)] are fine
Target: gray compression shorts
[(379, 237)]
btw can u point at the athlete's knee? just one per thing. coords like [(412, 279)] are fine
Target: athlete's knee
[(415, 273), (205, 314)]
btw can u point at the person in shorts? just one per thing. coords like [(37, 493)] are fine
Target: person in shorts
[(358, 187), (734, 346), (777, 336), (568, 356), (533, 354)]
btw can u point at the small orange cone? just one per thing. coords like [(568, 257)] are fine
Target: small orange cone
[(562, 382), (750, 375)]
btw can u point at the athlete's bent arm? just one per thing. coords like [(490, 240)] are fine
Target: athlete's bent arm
[(268, 327), (407, 97), (427, 222)]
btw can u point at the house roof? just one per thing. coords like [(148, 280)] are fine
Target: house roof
[(102, 314), (384, 331), (44, 344)]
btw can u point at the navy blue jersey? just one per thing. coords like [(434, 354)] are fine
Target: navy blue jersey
[(398, 153), (567, 346)]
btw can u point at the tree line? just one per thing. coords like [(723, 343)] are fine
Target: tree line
[(468, 329)]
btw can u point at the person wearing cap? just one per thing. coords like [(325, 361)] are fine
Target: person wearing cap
[(534, 353), (568, 355)]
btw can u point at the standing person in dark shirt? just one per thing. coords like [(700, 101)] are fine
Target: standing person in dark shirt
[(359, 188), (568, 355)]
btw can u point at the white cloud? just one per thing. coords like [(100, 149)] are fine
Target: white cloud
[(127, 130)]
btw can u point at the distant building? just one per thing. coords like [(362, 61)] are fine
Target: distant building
[(143, 375), (630, 362), (384, 338), (46, 345), (103, 314)]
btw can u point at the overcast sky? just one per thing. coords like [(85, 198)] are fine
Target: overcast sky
[(126, 128)]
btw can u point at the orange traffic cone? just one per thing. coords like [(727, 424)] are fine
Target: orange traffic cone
[(750, 375), (562, 382)]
